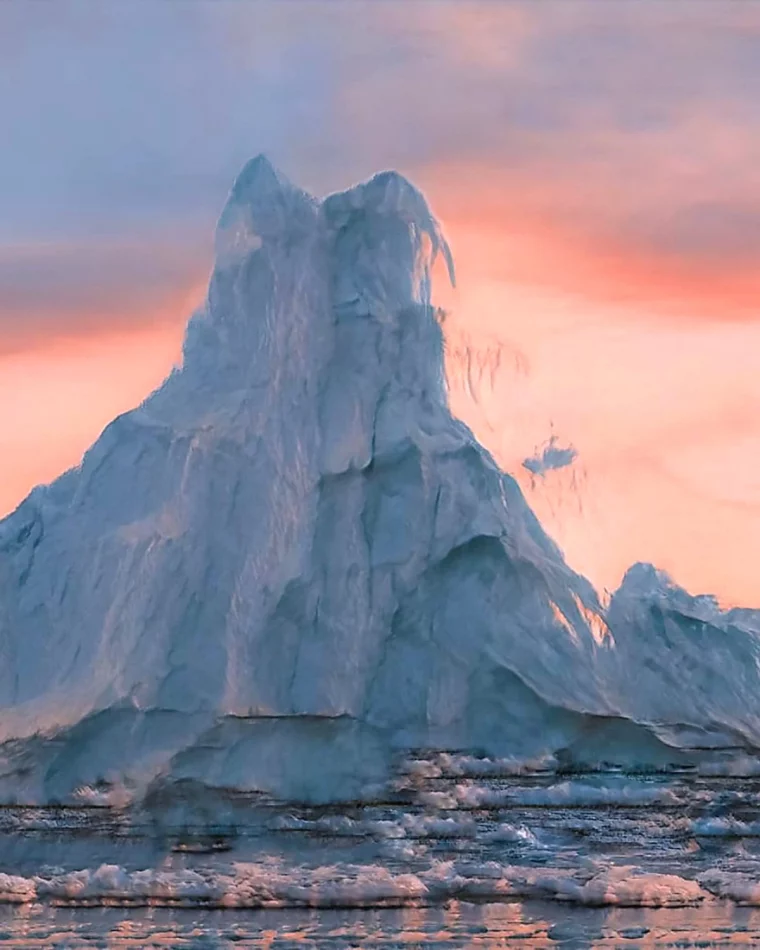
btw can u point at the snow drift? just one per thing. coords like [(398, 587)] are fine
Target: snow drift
[(291, 561)]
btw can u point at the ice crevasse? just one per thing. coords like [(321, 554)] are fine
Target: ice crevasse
[(291, 562)]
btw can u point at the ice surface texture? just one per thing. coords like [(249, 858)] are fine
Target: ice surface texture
[(291, 560)]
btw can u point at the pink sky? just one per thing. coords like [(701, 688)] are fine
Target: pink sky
[(607, 261)]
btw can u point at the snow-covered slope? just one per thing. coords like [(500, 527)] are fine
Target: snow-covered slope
[(291, 560)]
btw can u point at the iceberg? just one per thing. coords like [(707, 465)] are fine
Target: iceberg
[(292, 565)]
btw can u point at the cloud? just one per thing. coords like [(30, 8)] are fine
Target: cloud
[(73, 289), (125, 118), (618, 144), (550, 457)]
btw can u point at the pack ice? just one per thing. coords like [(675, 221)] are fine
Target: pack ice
[(291, 563)]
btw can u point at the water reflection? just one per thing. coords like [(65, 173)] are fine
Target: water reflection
[(531, 924)]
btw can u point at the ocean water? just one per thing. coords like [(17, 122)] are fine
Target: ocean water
[(473, 857)]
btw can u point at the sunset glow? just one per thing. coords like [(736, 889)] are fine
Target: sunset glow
[(603, 209)]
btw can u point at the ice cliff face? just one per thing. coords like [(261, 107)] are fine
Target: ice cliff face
[(683, 664), (291, 560)]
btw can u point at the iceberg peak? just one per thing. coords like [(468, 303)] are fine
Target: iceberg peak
[(260, 185), (257, 175), (263, 206), (643, 578), (389, 195)]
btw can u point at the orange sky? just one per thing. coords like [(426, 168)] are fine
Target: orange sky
[(597, 171)]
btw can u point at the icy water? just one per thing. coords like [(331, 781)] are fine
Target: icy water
[(460, 853)]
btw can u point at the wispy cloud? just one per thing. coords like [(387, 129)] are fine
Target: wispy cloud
[(550, 457)]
